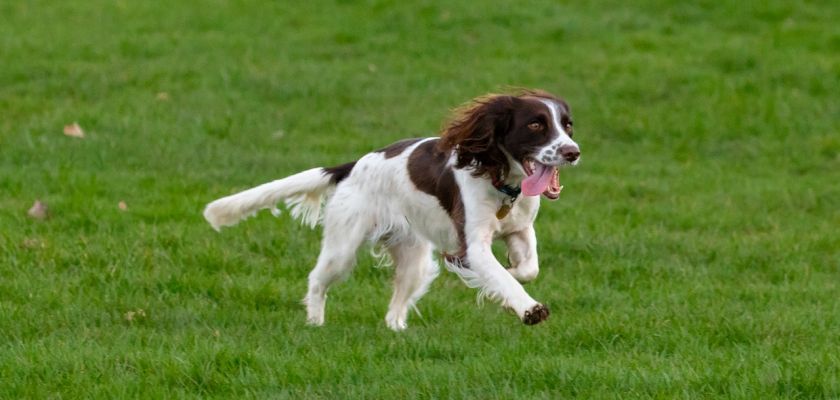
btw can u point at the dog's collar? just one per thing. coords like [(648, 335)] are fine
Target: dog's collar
[(511, 191)]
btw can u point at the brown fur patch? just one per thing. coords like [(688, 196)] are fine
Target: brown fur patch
[(339, 172), (473, 132), (397, 148), (535, 315), (429, 173)]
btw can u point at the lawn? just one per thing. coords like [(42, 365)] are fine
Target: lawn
[(694, 252)]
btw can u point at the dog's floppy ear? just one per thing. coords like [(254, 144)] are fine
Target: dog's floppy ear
[(475, 132)]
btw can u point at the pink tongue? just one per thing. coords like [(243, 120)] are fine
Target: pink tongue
[(537, 182)]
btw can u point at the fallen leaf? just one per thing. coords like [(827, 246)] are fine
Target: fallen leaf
[(38, 210), (122, 206), (32, 243), (136, 314), (162, 96), (74, 130)]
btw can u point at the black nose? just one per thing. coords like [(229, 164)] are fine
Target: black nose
[(570, 152)]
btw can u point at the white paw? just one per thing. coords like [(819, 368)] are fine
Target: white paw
[(395, 322), (315, 320)]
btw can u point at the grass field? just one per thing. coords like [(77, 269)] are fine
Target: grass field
[(694, 253)]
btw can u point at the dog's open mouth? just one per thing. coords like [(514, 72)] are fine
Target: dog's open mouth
[(542, 179)]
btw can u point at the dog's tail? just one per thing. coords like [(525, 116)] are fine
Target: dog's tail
[(303, 194)]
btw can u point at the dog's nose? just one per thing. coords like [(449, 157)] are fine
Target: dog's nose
[(570, 152)]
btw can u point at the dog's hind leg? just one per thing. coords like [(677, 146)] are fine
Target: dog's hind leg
[(344, 232), (415, 271)]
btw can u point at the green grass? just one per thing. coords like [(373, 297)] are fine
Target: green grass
[(694, 253)]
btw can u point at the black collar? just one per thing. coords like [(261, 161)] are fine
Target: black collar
[(511, 191)]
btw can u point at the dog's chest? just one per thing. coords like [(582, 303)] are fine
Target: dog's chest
[(521, 215)]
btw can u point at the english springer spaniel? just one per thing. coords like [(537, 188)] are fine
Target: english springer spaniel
[(453, 194)]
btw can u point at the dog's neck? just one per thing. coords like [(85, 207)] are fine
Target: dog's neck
[(511, 191), (516, 173)]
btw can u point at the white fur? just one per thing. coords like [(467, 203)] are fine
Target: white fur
[(481, 201), (302, 192), (378, 202)]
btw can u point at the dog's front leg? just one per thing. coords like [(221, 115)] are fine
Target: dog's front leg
[(522, 254), (494, 281)]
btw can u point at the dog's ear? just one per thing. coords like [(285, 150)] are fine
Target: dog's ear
[(475, 132)]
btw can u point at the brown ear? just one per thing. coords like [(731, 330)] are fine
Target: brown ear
[(475, 132)]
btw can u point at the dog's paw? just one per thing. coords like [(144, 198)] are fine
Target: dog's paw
[(535, 315), (395, 321), (396, 326), (315, 320)]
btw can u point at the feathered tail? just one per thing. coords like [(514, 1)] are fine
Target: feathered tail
[(303, 194)]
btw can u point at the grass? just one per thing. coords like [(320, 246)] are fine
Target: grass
[(693, 254)]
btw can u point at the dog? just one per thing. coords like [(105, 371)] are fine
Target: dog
[(480, 180)]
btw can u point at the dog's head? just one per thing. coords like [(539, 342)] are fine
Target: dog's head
[(527, 135)]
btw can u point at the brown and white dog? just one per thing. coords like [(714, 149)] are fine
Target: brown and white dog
[(452, 194)]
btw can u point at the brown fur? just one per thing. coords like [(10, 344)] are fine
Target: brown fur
[(339, 172), (473, 133), (428, 171), (397, 148)]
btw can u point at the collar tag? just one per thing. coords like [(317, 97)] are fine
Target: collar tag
[(511, 191), (512, 194), (504, 210)]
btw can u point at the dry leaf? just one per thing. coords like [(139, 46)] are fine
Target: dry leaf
[(32, 243), (122, 206), (162, 96), (38, 210), (74, 130), (136, 314)]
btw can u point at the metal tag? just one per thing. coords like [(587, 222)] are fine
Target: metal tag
[(503, 211)]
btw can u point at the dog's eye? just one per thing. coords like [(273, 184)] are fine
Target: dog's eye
[(568, 128), (535, 126)]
